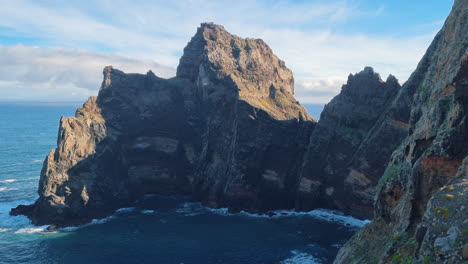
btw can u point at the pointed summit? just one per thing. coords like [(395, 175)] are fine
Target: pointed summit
[(222, 63), (226, 54)]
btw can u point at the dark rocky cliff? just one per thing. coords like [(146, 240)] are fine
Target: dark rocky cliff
[(344, 159), (421, 202), (226, 130)]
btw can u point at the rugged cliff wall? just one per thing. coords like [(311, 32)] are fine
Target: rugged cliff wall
[(252, 128), (344, 159), (421, 203), (226, 129)]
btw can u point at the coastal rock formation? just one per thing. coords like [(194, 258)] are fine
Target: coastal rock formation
[(345, 159), (251, 128), (226, 130), (421, 202)]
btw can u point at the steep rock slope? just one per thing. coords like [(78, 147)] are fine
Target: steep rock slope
[(344, 159), (252, 129), (226, 129), (421, 204)]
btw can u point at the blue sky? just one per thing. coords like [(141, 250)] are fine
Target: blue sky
[(55, 50)]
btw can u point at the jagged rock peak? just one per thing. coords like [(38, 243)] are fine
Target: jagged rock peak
[(367, 73), (225, 65), (370, 74), (369, 70), (109, 74), (224, 54), (368, 80), (391, 79)]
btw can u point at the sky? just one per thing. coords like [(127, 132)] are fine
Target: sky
[(56, 50)]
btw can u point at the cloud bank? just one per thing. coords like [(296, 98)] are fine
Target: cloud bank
[(312, 37), (54, 74)]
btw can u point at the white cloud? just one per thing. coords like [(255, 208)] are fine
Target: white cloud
[(317, 90), (61, 74), (302, 34)]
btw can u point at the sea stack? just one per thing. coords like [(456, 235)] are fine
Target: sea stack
[(226, 130)]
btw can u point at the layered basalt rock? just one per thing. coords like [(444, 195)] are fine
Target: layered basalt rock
[(421, 202)]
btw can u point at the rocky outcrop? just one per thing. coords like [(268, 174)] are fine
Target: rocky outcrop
[(226, 130), (252, 128), (420, 208), (345, 157)]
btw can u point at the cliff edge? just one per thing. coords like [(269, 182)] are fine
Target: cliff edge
[(420, 210)]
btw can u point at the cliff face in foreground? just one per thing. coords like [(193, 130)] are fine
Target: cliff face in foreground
[(226, 130), (421, 203)]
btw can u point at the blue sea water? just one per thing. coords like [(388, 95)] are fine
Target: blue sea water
[(314, 109), (155, 229)]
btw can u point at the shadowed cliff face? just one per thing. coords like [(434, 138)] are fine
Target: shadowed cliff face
[(344, 159), (421, 203)]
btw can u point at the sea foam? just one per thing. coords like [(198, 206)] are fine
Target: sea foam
[(31, 230), (192, 209), (8, 180), (4, 189), (125, 210), (148, 211), (300, 258)]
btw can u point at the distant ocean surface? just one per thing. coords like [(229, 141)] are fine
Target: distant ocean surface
[(314, 109), (155, 229)]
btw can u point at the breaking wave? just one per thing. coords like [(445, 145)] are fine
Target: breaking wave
[(4, 189), (8, 180), (192, 209), (300, 258)]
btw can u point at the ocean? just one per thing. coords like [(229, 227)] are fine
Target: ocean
[(156, 229)]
